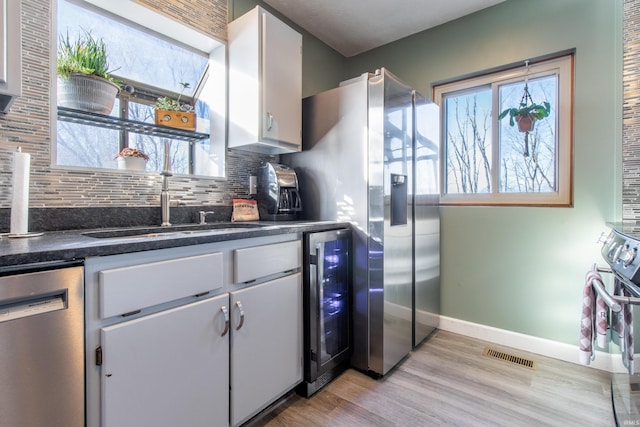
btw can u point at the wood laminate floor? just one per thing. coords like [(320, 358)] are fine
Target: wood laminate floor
[(447, 381)]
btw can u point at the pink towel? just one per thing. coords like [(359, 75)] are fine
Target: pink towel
[(624, 328), (594, 311)]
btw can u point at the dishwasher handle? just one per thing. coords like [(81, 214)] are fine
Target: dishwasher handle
[(20, 308)]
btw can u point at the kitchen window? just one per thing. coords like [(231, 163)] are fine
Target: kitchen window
[(151, 65), (489, 162)]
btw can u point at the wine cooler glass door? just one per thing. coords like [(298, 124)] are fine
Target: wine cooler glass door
[(329, 300)]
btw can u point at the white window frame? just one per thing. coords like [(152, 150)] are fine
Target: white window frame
[(562, 66)]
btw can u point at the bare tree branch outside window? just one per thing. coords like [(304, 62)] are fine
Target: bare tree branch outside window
[(468, 142), (534, 173), (468, 130)]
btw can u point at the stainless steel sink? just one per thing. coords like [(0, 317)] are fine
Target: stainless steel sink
[(217, 230), (185, 229)]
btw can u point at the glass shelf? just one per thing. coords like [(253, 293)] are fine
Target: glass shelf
[(111, 122)]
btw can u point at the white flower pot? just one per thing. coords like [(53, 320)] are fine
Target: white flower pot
[(132, 163)]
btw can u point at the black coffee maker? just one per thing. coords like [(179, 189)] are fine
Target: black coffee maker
[(277, 194)]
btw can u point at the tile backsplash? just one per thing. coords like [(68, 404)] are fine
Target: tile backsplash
[(631, 112), (206, 16), (29, 122)]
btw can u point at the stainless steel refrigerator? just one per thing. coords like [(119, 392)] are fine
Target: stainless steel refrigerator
[(426, 218), (357, 166)]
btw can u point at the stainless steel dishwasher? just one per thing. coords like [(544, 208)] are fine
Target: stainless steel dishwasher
[(42, 347)]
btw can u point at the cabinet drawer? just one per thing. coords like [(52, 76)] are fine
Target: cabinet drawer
[(126, 289), (260, 261)]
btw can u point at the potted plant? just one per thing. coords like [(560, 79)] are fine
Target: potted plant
[(526, 115), (170, 112), (132, 159), (84, 79)]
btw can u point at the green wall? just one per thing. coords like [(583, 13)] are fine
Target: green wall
[(515, 268), (522, 268)]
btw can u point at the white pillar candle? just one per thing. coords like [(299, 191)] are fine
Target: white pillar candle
[(20, 196)]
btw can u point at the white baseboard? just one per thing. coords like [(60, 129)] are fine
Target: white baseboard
[(542, 346)]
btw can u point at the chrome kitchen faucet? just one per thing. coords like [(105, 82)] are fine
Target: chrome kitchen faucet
[(203, 216), (165, 197)]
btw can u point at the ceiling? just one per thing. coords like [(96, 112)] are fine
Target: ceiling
[(355, 26)]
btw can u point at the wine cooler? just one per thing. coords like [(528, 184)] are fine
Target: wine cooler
[(327, 300)]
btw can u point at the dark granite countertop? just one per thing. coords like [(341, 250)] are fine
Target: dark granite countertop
[(75, 245)]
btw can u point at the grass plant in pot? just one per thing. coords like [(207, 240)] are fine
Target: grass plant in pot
[(170, 112), (84, 79), (132, 159)]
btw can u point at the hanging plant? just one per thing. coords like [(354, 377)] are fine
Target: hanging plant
[(525, 115), (528, 113)]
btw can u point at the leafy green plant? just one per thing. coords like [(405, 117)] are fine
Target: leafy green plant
[(535, 111), (166, 103), (85, 55)]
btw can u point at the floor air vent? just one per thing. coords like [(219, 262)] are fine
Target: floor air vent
[(516, 360)]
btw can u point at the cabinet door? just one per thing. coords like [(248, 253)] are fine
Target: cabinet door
[(266, 350), (282, 83), (10, 53), (167, 369)]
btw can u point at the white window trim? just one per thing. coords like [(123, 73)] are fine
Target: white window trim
[(563, 67)]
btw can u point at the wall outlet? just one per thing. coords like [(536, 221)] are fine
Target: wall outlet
[(253, 184)]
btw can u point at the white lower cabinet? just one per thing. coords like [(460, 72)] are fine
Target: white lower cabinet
[(167, 369), (266, 344), (204, 335)]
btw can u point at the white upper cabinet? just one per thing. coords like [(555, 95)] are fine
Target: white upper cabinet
[(265, 84), (10, 53)]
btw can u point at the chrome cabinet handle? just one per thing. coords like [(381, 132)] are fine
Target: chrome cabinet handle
[(269, 121), (225, 313), (239, 305)]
